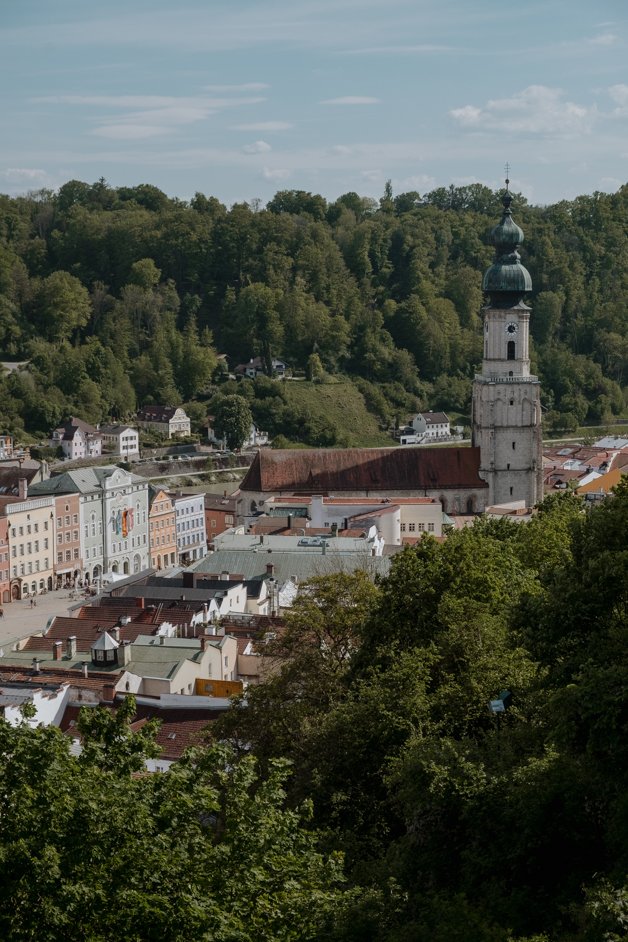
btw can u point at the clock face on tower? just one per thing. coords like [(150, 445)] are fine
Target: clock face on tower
[(512, 328)]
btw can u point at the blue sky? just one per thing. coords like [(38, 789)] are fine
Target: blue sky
[(241, 98)]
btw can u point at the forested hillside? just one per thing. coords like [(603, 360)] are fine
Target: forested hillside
[(118, 297)]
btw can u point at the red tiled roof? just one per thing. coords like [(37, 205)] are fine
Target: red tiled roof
[(363, 469)]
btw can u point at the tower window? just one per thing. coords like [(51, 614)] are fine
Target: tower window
[(513, 445), (511, 349), (512, 402), (511, 491)]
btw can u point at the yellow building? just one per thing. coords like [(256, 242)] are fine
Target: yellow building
[(31, 545)]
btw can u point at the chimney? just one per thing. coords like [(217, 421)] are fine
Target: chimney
[(57, 650), (224, 575), (124, 653), (290, 521), (71, 647), (109, 693), (203, 642), (84, 669), (35, 665), (115, 633), (139, 602), (22, 488), (270, 569)]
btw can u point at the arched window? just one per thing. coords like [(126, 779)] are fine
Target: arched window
[(511, 349)]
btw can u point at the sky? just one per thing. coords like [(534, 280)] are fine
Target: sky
[(241, 98)]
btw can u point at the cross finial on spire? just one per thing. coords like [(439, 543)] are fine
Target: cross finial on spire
[(507, 170)]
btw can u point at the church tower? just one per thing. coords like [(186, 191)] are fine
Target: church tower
[(506, 411)]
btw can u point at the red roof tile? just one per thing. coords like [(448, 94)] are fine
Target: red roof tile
[(363, 469)]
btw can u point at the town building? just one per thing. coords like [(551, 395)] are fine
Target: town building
[(449, 475), (113, 518), (169, 421), (77, 439), (31, 525), (255, 367), (68, 561), (5, 568), (426, 427), (190, 522), (162, 529), (506, 410), (219, 514), (121, 440)]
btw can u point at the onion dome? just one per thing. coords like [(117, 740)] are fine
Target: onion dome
[(507, 281)]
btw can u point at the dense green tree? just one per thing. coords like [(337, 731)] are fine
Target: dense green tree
[(232, 420)]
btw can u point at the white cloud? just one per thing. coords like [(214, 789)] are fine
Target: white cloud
[(371, 175), (274, 173), (258, 147), (398, 50), (263, 126), (351, 100), (421, 182), (144, 116), (619, 94), (130, 132), (23, 175), (247, 87), (604, 39), (536, 110)]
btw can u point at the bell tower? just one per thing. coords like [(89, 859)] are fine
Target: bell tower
[(506, 410)]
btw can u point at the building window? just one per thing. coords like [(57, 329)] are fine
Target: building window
[(511, 349), (421, 527), (411, 527), (430, 527), (403, 528)]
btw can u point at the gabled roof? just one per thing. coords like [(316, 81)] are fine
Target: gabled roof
[(156, 413), (435, 418), (81, 481), (10, 478), (330, 470)]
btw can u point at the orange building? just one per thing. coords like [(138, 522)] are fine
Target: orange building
[(162, 529), (220, 514)]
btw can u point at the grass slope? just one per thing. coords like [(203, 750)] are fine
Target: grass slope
[(341, 404)]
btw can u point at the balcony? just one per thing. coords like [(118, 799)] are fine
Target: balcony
[(500, 378)]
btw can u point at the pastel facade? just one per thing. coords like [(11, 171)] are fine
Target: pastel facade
[(31, 526), (68, 560), (121, 440), (77, 439), (170, 421), (190, 523), (113, 518), (162, 529)]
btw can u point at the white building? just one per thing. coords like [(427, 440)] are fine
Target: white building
[(121, 440), (190, 522), (77, 439), (164, 420), (113, 517)]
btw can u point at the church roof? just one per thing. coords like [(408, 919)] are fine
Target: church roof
[(507, 279), (331, 470)]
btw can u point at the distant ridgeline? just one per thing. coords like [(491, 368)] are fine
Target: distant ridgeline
[(121, 297)]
